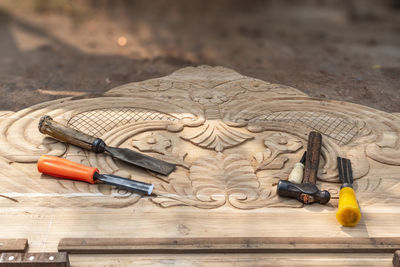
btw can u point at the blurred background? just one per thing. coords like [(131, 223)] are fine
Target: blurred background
[(345, 49)]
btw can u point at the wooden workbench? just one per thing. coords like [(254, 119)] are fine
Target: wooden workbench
[(232, 137)]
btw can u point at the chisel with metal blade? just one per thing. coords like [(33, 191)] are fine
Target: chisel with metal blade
[(63, 168), (66, 134), (348, 213)]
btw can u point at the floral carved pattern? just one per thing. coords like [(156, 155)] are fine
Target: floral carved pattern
[(216, 135), (231, 136), (277, 143), (213, 182)]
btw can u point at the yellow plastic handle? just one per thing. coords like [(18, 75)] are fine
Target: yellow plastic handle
[(348, 213)]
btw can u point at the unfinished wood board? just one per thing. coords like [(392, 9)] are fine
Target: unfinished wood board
[(244, 259), (396, 258), (13, 245), (232, 138), (13, 259), (230, 245)]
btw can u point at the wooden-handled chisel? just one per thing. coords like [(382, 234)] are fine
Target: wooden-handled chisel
[(66, 134), (348, 213), (63, 168)]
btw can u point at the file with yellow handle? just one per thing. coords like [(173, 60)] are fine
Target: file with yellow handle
[(348, 213)]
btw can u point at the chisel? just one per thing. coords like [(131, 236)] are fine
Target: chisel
[(348, 213), (65, 134), (63, 168)]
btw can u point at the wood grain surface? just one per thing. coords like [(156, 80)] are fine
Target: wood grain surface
[(232, 138), (396, 258), (230, 245), (55, 259), (13, 245), (230, 259)]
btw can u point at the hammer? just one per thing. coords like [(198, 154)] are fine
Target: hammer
[(307, 192)]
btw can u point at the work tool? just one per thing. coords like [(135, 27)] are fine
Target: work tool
[(63, 168), (296, 175), (66, 134), (307, 192), (348, 213)]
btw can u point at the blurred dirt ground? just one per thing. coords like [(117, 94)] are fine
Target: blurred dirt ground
[(345, 50)]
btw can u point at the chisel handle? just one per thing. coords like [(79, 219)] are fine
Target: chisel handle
[(63, 168), (66, 134), (348, 213), (296, 175)]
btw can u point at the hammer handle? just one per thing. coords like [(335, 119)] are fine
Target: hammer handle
[(312, 157)]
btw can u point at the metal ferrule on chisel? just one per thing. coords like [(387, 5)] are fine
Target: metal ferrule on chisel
[(346, 185)]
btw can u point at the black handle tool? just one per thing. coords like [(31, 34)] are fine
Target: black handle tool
[(307, 192)]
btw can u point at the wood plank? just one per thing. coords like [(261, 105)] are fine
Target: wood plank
[(44, 228), (231, 259), (54, 259), (396, 258), (13, 245), (230, 244)]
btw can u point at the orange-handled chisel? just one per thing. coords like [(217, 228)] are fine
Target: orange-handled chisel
[(63, 168)]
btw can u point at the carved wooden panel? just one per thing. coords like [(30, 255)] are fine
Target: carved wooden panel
[(231, 136)]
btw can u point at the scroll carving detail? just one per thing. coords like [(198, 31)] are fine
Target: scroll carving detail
[(231, 137)]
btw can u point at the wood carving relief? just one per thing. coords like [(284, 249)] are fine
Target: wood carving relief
[(231, 136)]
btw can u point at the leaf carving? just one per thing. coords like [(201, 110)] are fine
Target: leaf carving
[(215, 134), (213, 182)]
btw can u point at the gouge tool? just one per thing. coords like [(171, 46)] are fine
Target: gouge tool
[(348, 213), (63, 168), (66, 134), (307, 192)]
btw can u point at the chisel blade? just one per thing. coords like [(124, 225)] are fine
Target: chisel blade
[(345, 171), (128, 184), (141, 160), (303, 158)]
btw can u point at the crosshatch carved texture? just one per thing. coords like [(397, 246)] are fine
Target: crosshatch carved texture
[(340, 129), (232, 138), (99, 121)]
